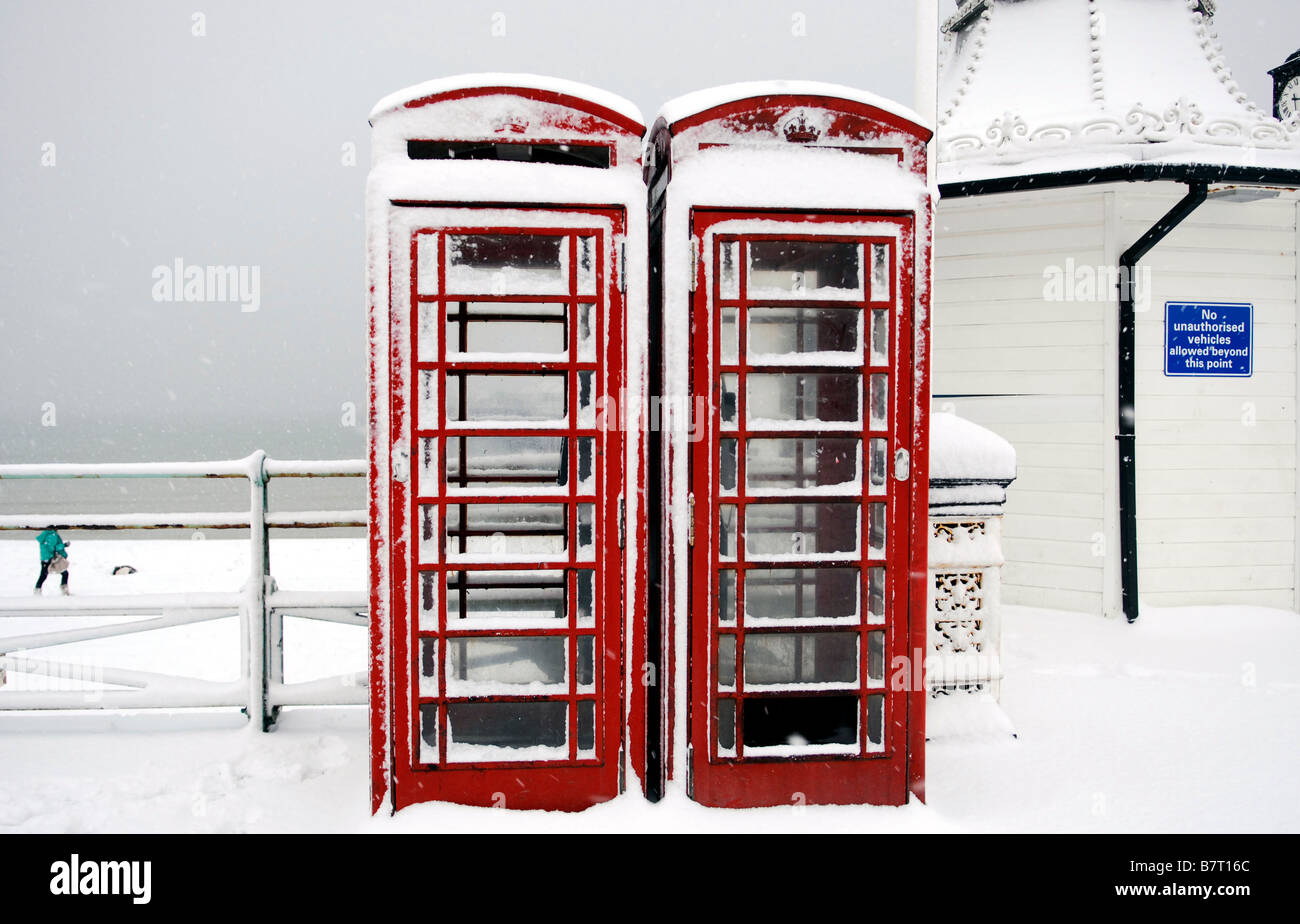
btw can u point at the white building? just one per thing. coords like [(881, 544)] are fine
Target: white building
[(1069, 131)]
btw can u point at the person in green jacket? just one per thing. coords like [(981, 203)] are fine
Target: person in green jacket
[(52, 545)]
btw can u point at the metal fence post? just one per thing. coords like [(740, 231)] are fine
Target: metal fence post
[(272, 622), (255, 597)]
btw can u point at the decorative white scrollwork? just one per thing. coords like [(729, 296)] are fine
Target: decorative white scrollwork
[(958, 602), (948, 531), (1182, 118), (1007, 128)]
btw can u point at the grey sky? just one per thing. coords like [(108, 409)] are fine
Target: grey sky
[(227, 149)]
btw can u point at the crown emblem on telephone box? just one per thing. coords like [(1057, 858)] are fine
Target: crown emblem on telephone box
[(800, 129)]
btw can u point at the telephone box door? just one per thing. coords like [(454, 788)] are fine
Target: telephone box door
[(507, 636), (801, 334)]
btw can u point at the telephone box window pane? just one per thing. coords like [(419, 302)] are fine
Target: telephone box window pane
[(587, 728), (876, 594), (880, 288), (801, 657), (879, 401), (876, 529), (876, 657), (727, 661), (729, 402), (429, 733), (784, 594), (479, 397), (427, 333), (726, 596), (805, 269), (506, 327), (586, 333), (427, 401), (727, 466), (476, 663), (879, 465), (586, 598), (725, 713), (427, 472), (586, 465), (428, 544), (428, 667), (879, 337), (507, 264), (586, 662), (484, 464), (801, 530), (586, 400), (491, 599), (773, 721), (822, 397), (728, 269), (586, 266), (876, 722), (426, 264), (727, 531), (507, 731), (496, 531), (569, 154), (428, 617), (730, 337), (779, 334), (586, 527), (801, 463)]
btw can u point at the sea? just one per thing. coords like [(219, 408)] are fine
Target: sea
[(56, 498)]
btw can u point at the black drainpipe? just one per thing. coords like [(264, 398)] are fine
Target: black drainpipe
[(1127, 436)]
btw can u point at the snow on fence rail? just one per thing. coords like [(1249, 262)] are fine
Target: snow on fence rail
[(260, 689)]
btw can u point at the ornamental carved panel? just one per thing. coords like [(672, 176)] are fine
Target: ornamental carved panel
[(958, 606)]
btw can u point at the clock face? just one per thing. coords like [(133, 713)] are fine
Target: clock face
[(1288, 104)]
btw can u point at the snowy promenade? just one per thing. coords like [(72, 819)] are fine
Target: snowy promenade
[(1183, 722)]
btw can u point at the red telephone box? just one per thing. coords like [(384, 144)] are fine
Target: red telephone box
[(501, 215), (793, 226)]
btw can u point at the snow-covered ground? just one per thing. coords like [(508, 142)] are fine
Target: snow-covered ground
[(1185, 721)]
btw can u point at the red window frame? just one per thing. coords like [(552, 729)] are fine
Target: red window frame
[(565, 784), (869, 775)]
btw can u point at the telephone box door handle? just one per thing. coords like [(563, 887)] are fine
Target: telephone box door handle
[(902, 465)]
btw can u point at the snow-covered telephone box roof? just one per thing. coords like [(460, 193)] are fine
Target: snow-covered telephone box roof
[(796, 144), (465, 138)]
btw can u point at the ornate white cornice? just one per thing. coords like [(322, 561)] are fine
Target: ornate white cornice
[(999, 96)]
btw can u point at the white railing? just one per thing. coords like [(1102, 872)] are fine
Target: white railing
[(261, 608)]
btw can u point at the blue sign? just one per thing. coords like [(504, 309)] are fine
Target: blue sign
[(1209, 338)]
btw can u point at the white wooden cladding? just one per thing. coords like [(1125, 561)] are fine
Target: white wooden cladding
[(1217, 473)]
